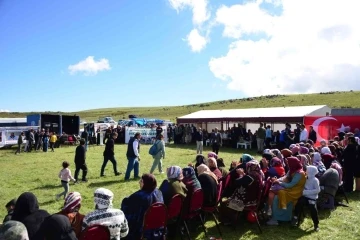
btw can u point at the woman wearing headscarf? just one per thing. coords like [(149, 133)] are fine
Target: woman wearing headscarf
[(57, 227), (173, 184), (27, 211), (200, 159), (135, 206), (213, 155), (221, 166), (208, 182), (351, 166), (106, 215), (303, 160), (212, 164), (246, 193), (190, 180), (317, 162), (325, 150), (265, 161), (276, 168), (293, 185), (330, 162), (71, 209), (13, 230)]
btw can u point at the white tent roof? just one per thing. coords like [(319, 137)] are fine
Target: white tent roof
[(12, 120), (276, 112)]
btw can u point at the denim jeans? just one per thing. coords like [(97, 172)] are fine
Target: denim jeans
[(133, 163), (66, 189)]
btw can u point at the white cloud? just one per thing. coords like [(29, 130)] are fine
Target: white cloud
[(199, 9), (89, 66), (196, 41), (4, 110), (312, 46)]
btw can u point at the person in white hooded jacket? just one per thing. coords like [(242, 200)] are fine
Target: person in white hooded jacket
[(309, 197)]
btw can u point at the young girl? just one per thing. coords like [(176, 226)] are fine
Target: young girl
[(65, 176)]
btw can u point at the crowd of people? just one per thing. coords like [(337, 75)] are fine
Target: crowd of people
[(281, 183)]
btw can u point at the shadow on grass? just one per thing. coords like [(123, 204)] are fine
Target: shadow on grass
[(48, 187), (47, 202), (105, 183)]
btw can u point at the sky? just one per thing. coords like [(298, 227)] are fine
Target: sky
[(76, 55)]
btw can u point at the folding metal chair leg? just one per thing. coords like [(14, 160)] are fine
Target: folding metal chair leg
[(217, 225), (187, 230), (203, 225), (257, 221)]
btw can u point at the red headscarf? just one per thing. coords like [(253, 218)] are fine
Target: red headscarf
[(294, 165)]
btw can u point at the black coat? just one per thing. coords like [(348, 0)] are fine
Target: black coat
[(80, 155)]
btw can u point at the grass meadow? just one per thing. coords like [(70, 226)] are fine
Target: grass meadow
[(349, 99), (37, 172)]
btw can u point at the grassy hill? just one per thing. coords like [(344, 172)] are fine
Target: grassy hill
[(349, 99)]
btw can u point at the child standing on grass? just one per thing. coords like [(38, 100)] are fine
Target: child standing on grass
[(65, 176)]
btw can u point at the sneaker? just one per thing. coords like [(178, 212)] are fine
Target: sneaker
[(294, 222), (316, 228), (269, 212), (272, 222)]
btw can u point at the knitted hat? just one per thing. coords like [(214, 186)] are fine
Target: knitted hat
[(72, 202), (103, 198), (13, 230)]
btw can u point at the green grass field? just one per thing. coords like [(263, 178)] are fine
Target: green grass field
[(348, 99), (37, 172)]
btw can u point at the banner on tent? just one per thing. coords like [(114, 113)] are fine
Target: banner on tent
[(328, 127), (148, 135)]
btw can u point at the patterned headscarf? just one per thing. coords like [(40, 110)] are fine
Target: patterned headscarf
[(212, 161), (72, 202), (246, 158), (203, 169), (212, 154), (190, 178), (174, 172), (253, 169), (304, 150), (286, 153), (103, 198), (294, 165), (13, 230), (325, 150), (276, 162)]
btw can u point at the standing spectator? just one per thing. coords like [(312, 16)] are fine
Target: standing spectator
[(312, 135), (46, 141), (37, 139), (288, 138), (303, 133), (160, 146), (268, 136), (20, 142), (80, 158), (133, 156), (10, 210), (85, 136), (106, 215), (350, 164), (109, 154), (53, 139), (159, 130), (27, 136), (297, 132), (31, 140), (260, 137), (199, 141), (216, 141)]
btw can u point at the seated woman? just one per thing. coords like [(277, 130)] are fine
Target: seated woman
[(212, 164), (303, 160), (317, 162), (208, 182), (200, 159), (221, 166), (173, 185), (135, 206), (27, 211), (246, 193), (329, 184), (290, 190), (276, 168), (191, 182), (57, 227), (71, 209), (330, 162), (265, 161)]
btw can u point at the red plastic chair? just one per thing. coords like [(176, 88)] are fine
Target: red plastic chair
[(214, 208), (194, 210), (97, 232), (71, 140), (174, 210), (256, 208), (154, 218)]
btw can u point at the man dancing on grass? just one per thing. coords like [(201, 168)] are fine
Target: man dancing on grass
[(80, 157), (109, 154)]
